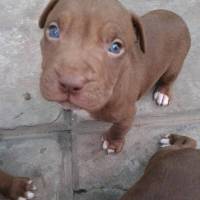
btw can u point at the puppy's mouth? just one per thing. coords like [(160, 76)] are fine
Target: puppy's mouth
[(67, 105), (79, 101), (74, 102)]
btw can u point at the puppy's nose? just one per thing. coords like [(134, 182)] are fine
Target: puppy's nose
[(72, 84)]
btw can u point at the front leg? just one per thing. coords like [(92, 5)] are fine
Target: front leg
[(114, 138)]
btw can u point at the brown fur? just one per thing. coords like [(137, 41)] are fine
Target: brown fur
[(13, 187), (155, 46), (172, 173)]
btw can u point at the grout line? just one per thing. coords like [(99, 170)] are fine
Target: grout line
[(75, 168), (68, 117), (186, 118), (66, 176)]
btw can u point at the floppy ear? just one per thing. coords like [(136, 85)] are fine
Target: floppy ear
[(139, 30), (46, 12)]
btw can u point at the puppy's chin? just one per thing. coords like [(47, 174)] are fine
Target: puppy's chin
[(73, 107), (69, 106), (81, 113)]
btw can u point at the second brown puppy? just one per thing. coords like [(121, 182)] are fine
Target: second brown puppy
[(172, 173)]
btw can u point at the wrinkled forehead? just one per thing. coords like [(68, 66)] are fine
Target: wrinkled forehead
[(97, 11)]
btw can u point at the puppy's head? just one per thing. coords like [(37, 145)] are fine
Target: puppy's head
[(86, 47)]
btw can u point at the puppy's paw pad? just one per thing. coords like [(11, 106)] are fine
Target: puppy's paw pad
[(161, 99)]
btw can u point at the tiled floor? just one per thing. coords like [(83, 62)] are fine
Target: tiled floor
[(68, 165)]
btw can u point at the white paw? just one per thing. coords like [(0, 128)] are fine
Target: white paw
[(165, 141), (110, 151), (29, 194), (105, 147), (161, 99)]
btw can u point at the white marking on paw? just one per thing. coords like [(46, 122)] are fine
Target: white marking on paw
[(21, 198), (165, 100), (29, 195), (110, 151), (165, 141), (161, 99), (156, 95), (105, 145)]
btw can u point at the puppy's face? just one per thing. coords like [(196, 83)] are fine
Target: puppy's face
[(86, 47)]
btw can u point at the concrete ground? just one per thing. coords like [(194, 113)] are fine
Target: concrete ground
[(69, 164), (61, 151)]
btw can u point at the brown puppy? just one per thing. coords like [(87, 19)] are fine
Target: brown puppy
[(16, 188), (99, 57), (172, 173)]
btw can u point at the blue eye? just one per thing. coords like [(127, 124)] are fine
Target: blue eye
[(53, 31), (115, 47)]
